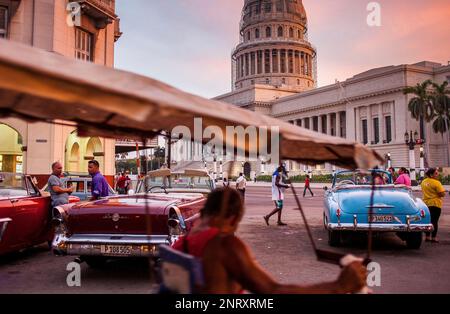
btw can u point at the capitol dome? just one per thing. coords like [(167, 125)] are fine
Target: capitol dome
[(274, 48), (291, 10)]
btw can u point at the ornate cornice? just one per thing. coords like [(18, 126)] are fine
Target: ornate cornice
[(333, 104)]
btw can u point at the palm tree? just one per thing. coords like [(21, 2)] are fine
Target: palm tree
[(421, 106), (441, 108)]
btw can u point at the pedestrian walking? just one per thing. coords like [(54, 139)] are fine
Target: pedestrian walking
[(241, 184), (100, 186), (278, 188), (433, 195), (59, 195), (127, 182), (307, 186), (226, 183), (121, 184)]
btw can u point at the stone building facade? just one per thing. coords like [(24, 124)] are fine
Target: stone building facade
[(45, 24)]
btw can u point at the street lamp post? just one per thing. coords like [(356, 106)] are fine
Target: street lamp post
[(221, 168), (422, 164), (411, 141)]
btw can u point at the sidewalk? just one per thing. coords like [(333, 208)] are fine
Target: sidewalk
[(320, 185)]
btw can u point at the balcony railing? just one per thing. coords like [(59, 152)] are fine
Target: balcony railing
[(107, 7)]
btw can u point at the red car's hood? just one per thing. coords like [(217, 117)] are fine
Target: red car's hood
[(126, 214)]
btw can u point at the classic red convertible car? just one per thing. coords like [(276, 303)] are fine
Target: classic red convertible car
[(119, 226), (25, 213)]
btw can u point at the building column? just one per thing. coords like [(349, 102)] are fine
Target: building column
[(338, 124), (311, 123), (310, 66), (319, 123), (393, 124), (245, 64), (308, 70), (279, 60), (357, 125), (369, 124), (286, 61), (256, 62), (328, 123), (241, 61), (381, 123), (302, 62), (271, 60)]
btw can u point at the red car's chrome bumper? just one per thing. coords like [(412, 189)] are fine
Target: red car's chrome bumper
[(114, 245)]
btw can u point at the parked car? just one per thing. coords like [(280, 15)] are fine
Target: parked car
[(25, 214), (164, 207), (395, 209), (81, 184)]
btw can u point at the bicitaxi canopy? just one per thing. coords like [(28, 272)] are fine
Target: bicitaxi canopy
[(38, 85)]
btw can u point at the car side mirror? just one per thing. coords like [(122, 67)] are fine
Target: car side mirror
[(131, 192)]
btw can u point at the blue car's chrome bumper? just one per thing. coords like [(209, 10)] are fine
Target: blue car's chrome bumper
[(386, 227)]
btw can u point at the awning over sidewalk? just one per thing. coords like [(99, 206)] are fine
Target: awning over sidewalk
[(37, 85)]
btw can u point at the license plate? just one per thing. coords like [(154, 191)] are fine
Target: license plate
[(116, 249), (381, 218)]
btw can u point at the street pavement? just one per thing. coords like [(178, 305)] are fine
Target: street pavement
[(284, 252)]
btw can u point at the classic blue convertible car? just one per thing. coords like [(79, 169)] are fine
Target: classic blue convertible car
[(394, 209)]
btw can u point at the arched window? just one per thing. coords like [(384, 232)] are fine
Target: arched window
[(268, 31), (248, 35), (291, 32), (257, 33), (280, 31), (300, 34)]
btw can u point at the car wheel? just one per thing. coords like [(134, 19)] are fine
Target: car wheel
[(325, 221), (414, 240), (334, 238), (94, 261)]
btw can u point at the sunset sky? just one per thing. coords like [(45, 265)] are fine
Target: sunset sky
[(188, 43)]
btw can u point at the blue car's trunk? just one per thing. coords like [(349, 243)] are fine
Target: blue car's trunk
[(386, 201)]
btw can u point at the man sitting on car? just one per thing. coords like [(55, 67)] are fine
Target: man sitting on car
[(58, 193)]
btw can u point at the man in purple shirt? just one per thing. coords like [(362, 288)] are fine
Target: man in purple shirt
[(99, 184)]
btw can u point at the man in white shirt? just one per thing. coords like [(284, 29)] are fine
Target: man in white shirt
[(241, 183), (278, 188)]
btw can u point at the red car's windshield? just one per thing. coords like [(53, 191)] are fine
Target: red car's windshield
[(12, 185)]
